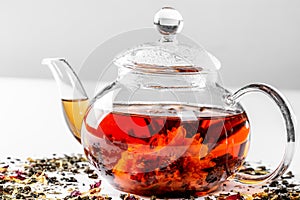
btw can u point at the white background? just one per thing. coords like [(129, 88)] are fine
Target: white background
[(256, 40)]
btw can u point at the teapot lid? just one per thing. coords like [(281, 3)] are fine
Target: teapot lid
[(169, 54)]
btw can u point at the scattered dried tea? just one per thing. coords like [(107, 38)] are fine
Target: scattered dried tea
[(284, 188), (59, 178), (48, 178)]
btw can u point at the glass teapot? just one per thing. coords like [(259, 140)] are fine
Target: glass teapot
[(166, 126)]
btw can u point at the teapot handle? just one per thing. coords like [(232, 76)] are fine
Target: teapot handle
[(290, 122)]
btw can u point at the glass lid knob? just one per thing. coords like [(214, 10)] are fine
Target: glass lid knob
[(168, 21)]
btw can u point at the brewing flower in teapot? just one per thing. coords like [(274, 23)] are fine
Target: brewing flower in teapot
[(166, 125)]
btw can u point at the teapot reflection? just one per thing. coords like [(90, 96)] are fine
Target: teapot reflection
[(165, 126)]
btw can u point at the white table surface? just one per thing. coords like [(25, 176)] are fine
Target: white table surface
[(32, 123)]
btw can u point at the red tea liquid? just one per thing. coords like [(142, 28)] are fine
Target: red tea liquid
[(168, 151)]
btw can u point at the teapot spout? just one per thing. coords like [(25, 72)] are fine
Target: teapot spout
[(73, 96), (67, 80)]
